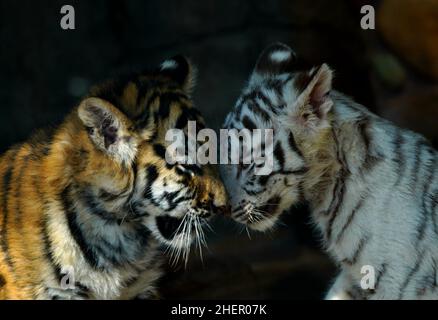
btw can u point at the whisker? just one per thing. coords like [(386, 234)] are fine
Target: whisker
[(247, 231)]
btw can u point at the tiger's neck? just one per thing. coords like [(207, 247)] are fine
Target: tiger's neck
[(341, 153), (94, 196)]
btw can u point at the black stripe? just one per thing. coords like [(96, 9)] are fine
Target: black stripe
[(293, 145), (18, 212), (93, 207), (165, 102), (240, 211), (75, 230), (188, 114), (399, 156), (363, 130), (2, 281), (248, 123), (249, 97), (279, 154), (142, 89), (339, 188), (160, 151), (238, 109), (108, 196), (167, 99), (379, 277), (142, 119), (349, 220), (358, 293), (301, 194), (99, 249), (48, 251), (334, 197), (256, 110), (370, 160), (253, 192), (434, 199), (143, 235), (192, 169), (123, 252), (264, 99), (419, 147), (428, 182), (277, 85), (131, 281), (333, 210), (47, 247), (82, 290), (172, 199), (362, 243), (270, 207), (411, 274), (7, 176), (151, 176), (134, 183), (168, 226), (297, 171), (263, 180)]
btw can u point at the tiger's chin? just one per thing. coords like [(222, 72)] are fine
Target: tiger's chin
[(179, 234), (256, 222), (263, 225), (261, 218)]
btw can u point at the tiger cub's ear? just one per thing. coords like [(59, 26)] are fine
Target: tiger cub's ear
[(181, 70), (276, 59), (314, 102), (107, 128)]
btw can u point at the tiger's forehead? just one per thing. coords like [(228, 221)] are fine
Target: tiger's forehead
[(259, 102), (265, 98), (146, 100)]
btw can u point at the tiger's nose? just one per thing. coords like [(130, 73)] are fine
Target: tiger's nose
[(211, 207)]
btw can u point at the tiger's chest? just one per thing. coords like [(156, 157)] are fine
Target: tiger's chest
[(99, 259), (80, 280)]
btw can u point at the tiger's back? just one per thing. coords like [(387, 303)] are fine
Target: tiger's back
[(22, 226)]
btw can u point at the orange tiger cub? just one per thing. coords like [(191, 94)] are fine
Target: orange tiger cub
[(86, 209)]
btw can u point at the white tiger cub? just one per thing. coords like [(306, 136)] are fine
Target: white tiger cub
[(372, 187)]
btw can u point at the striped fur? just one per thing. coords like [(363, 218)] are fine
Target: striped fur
[(94, 202), (372, 187)]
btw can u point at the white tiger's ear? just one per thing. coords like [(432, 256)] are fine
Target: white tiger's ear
[(181, 70), (314, 101), (276, 59), (107, 128)]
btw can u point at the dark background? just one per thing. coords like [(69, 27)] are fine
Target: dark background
[(393, 70)]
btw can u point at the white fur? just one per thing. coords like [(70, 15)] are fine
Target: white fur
[(169, 64), (280, 56), (391, 198)]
